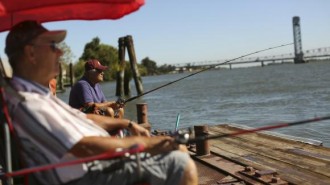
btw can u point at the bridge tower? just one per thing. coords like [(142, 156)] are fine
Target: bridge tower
[(299, 55)]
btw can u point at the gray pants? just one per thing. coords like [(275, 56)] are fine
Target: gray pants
[(164, 169)]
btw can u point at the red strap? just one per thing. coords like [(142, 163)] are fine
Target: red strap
[(5, 111)]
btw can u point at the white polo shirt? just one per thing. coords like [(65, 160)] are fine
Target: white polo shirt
[(48, 128)]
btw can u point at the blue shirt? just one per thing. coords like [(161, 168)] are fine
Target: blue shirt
[(84, 92)]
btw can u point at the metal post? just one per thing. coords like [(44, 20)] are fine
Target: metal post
[(8, 152), (299, 55), (202, 147)]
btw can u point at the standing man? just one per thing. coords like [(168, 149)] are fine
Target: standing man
[(50, 131), (87, 94)]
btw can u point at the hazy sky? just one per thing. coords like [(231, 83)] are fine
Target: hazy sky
[(181, 31)]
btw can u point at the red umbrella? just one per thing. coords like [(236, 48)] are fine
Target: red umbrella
[(13, 11)]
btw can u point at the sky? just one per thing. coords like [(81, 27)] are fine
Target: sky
[(184, 31)]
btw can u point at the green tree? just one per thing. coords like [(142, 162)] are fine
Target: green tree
[(106, 54), (150, 66), (65, 60), (67, 56), (79, 69), (166, 68), (142, 70)]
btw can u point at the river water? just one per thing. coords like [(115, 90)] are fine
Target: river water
[(254, 97)]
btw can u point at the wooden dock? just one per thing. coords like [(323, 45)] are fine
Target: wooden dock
[(261, 158)]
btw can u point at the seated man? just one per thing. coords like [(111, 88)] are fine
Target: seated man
[(50, 131), (87, 94)]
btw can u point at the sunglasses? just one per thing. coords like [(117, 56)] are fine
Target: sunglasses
[(53, 45), (96, 70)]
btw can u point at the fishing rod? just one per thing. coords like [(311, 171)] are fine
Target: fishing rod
[(183, 138), (122, 102)]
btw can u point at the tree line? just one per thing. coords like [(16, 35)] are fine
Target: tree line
[(108, 56)]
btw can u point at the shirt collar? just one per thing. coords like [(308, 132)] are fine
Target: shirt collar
[(87, 80), (21, 84)]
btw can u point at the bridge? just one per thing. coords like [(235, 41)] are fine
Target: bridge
[(299, 55), (311, 54)]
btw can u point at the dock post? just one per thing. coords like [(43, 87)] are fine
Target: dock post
[(121, 72), (60, 79), (142, 115), (202, 147), (71, 74), (133, 62)]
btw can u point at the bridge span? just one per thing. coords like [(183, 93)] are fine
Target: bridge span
[(311, 54)]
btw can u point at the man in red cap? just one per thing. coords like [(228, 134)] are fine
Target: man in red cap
[(87, 94)]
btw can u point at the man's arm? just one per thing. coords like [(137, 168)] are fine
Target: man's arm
[(89, 146), (100, 105), (110, 124), (110, 108)]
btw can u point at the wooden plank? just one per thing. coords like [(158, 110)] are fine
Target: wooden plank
[(296, 162), (264, 151)]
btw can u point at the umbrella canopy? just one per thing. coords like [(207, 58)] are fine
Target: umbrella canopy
[(13, 11)]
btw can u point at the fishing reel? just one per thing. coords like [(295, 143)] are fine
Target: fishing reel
[(182, 137), (120, 102)]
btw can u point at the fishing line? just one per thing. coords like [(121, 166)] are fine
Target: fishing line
[(123, 101), (184, 138)]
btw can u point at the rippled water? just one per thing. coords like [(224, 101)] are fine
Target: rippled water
[(254, 97)]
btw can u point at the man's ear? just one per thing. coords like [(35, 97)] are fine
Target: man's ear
[(29, 53)]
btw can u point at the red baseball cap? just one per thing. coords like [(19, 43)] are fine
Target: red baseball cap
[(94, 64)]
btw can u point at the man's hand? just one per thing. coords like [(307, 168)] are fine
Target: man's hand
[(115, 105), (161, 144), (137, 130)]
